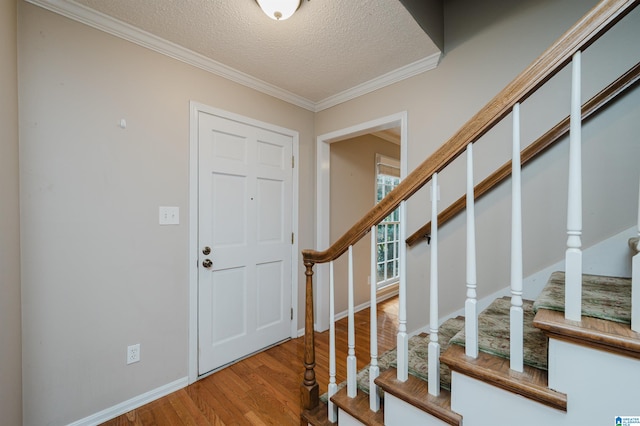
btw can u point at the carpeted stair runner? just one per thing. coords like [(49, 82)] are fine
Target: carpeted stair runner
[(494, 335), (634, 245), (607, 298), (419, 352), (418, 356)]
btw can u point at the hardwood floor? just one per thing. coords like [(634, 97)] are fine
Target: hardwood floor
[(264, 389)]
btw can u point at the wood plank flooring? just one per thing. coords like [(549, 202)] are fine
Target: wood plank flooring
[(264, 388)]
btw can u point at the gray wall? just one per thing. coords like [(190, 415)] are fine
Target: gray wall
[(10, 346), (487, 45), (101, 274)]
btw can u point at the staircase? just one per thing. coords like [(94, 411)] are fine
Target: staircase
[(570, 357), (544, 387)]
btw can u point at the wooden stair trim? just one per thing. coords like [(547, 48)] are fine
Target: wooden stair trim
[(318, 416), (590, 332), (416, 392), (358, 408), (532, 383)]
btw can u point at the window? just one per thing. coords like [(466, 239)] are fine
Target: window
[(388, 238)]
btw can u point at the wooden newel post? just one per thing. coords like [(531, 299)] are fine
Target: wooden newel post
[(309, 387)]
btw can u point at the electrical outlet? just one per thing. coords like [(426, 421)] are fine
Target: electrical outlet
[(133, 353)]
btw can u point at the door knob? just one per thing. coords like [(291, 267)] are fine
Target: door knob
[(207, 263), (206, 250)]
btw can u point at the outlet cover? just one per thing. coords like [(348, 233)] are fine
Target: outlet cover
[(133, 353)]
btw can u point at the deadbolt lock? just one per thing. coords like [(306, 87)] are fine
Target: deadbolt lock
[(206, 250)]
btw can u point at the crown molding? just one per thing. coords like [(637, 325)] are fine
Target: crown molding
[(110, 25), (402, 73), (135, 35)]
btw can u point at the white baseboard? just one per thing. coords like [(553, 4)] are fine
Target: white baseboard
[(131, 404)]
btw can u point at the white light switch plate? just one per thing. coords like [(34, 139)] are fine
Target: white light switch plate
[(169, 215)]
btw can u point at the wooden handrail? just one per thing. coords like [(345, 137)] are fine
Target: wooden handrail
[(588, 29), (540, 145)]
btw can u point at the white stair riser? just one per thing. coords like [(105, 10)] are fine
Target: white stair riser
[(482, 404), (600, 385), (399, 413), (345, 419)]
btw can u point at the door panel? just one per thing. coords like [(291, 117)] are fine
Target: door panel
[(229, 320), (270, 211), (245, 216), (270, 279)]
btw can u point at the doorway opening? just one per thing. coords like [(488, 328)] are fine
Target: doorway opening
[(391, 127)]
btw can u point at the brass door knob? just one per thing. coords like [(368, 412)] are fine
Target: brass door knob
[(207, 263)]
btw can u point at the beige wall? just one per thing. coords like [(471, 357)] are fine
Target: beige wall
[(353, 184), (100, 273), (487, 45), (10, 346)]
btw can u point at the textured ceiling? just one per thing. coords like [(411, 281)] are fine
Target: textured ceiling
[(326, 48)]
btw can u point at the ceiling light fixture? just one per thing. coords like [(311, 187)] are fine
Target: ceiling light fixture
[(279, 10)]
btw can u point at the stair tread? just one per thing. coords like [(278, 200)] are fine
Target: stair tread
[(607, 298), (532, 383), (494, 333), (416, 392), (594, 332), (358, 407)]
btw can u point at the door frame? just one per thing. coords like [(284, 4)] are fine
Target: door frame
[(323, 197), (196, 108)]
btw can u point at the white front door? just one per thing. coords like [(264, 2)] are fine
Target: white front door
[(245, 225)]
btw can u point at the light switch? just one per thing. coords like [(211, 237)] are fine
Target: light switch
[(169, 215)]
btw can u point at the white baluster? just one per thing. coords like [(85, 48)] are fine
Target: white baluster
[(333, 387), (351, 354), (402, 341), (471, 304), (374, 370), (573, 256), (434, 346), (516, 313), (635, 281)]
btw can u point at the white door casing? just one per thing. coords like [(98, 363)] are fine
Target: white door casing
[(245, 214), (323, 198)]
